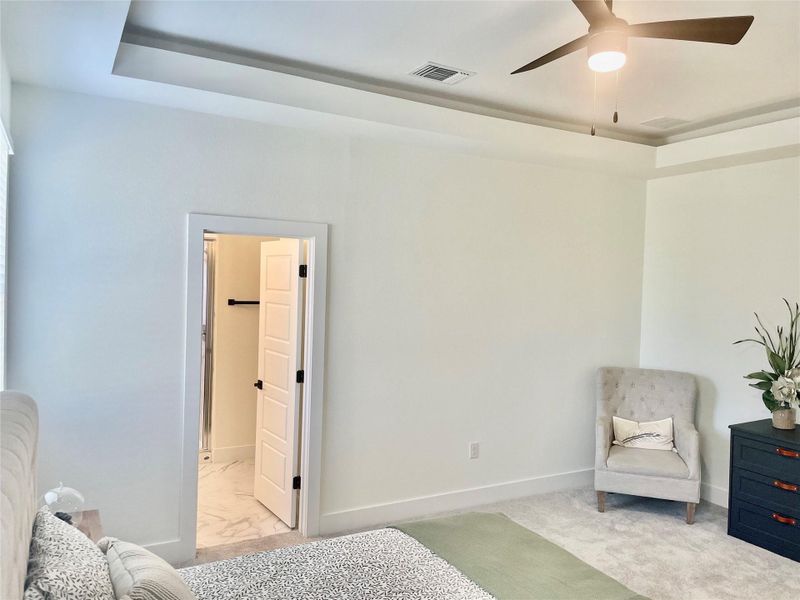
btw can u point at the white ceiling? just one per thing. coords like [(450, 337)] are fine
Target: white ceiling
[(378, 43), (373, 45)]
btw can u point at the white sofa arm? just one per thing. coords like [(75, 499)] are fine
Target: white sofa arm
[(687, 442), (603, 437)]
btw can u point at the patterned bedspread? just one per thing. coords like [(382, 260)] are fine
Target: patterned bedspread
[(385, 563)]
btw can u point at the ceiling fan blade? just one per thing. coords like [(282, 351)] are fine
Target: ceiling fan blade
[(557, 53), (716, 30), (595, 11)]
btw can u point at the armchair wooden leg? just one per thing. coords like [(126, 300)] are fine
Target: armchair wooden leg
[(601, 501), (690, 506)]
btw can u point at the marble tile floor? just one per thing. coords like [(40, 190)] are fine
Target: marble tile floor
[(227, 512)]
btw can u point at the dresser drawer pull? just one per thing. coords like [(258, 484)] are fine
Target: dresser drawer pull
[(789, 487), (788, 453), (784, 520)]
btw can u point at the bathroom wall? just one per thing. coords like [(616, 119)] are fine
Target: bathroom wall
[(235, 358)]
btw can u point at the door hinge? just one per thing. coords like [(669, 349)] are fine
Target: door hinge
[(259, 384), (301, 376), (296, 482), (303, 271)]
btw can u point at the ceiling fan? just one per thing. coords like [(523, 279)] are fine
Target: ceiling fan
[(607, 40)]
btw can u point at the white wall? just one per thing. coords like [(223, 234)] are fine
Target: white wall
[(5, 96), (719, 245), (235, 344), (5, 85), (5, 149), (470, 299)]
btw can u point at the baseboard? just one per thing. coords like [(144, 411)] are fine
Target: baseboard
[(411, 508), (714, 494), (173, 551), (232, 453)]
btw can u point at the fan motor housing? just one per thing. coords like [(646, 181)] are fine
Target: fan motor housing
[(609, 39)]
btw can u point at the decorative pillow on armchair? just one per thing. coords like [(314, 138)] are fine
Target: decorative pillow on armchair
[(652, 435), (138, 574), (64, 564)]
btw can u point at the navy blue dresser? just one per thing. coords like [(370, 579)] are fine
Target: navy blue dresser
[(764, 492)]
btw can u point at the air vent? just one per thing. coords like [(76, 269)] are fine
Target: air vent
[(664, 123), (441, 73)]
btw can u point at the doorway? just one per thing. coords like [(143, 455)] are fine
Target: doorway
[(275, 472), (252, 382)]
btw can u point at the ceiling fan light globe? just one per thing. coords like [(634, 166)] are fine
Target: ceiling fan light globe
[(607, 49), (607, 61)]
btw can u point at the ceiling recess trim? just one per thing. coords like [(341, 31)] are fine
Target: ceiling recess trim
[(659, 137), (269, 96), (136, 36), (239, 91)]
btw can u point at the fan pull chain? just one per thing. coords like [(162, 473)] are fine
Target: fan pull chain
[(615, 118), (594, 103)]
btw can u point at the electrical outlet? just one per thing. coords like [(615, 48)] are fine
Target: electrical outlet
[(474, 449)]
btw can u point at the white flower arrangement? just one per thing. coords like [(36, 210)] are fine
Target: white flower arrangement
[(785, 390), (780, 386)]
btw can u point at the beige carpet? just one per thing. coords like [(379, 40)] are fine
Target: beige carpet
[(646, 545), (642, 543)]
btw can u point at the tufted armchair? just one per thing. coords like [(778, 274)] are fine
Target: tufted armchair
[(647, 395)]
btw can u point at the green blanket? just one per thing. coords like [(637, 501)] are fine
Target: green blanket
[(511, 562)]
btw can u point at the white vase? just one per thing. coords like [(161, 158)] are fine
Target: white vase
[(784, 418)]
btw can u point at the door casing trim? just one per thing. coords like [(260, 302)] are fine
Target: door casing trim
[(313, 364)]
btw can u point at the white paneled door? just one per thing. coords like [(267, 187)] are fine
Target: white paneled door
[(279, 360)]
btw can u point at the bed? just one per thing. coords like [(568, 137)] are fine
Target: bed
[(473, 556)]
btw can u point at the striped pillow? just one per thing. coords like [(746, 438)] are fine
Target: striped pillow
[(138, 574)]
